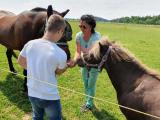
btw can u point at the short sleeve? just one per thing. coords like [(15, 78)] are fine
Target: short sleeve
[(23, 51), (98, 36), (95, 37), (78, 36), (62, 60)]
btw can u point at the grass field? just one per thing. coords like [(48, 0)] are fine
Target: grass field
[(142, 41)]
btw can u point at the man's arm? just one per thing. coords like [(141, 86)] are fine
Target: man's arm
[(60, 71), (62, 64), (22, 61)]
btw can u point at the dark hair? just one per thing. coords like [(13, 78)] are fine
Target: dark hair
[(90, 20), (55, 23)]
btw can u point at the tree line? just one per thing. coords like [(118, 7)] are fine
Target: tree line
[(151, 20)]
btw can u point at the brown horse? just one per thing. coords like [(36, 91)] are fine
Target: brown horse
[(16, 30), (137, 87)]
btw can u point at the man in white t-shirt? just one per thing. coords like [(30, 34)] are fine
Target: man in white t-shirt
[(43, 59)]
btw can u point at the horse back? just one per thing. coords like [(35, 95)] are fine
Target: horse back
[(6, 18), (16, 30), (6, 13)]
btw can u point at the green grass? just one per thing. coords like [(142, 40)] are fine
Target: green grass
[(142, 41)]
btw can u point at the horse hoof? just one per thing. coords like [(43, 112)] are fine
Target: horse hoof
[(25, 93), (14, 71)]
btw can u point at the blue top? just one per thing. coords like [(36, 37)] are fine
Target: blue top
[(85, 46)]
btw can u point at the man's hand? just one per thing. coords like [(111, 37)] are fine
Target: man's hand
[(60, 71)]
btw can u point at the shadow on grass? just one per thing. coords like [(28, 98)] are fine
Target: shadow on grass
[(12, 88), (102, 115)]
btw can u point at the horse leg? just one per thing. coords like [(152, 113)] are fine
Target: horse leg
[(25, 81), (9, 54)]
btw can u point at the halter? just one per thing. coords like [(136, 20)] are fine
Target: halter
[(104, 59)]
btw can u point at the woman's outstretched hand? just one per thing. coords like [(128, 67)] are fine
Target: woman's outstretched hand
[(71, 63)]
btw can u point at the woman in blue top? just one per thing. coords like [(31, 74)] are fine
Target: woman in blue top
[(84, 42)]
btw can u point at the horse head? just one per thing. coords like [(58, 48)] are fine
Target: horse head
[(97, 56), (62, 43)]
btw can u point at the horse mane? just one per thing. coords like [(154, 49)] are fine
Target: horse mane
[(38, 9), (118, 54)]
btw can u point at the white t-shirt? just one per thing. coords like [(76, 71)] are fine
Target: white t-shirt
[(43, 58)]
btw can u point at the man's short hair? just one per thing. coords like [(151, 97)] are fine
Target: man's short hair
[(55, 23)]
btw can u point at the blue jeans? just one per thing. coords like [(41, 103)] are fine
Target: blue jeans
[(52, 108)]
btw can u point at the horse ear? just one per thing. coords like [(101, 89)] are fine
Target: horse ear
[(65, 12), (100, 45), (49, 11)]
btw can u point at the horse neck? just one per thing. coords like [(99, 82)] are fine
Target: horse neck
[(38, 21), (124, 75)]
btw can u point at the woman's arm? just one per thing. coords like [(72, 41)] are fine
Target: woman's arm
[(22, 61), (78, 52), (71, 63)]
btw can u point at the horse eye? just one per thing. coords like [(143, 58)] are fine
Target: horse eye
[(66, 28)]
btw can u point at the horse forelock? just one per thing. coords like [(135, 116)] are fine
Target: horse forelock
[(95, 50)]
